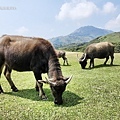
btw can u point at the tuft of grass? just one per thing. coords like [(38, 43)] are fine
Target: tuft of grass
[(92, 94)]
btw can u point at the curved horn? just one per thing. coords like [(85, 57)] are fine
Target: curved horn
[(42, 81), (50, 81), (84, 57), (69, 79)]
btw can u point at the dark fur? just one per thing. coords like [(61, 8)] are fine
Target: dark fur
[(97, 50), (32, 54)]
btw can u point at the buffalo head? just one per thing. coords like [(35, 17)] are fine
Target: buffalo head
[(83, 61), (57, 88)]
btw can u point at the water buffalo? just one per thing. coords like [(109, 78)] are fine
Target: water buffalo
[(62, 54), (33, 54), (97, 50)]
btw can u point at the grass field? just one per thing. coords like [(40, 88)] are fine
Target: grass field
[(91, 95)]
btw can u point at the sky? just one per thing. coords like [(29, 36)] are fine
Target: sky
[(53, 18)]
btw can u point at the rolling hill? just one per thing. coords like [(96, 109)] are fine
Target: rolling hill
[(113, 38), (81, 35)]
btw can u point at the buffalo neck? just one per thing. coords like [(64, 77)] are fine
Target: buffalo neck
[(54, 71)]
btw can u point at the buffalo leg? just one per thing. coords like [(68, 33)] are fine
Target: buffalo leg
[(40, 85), (91, 63), (7, 73), (112, 58), (1, 68), (1, 90), (36, 87), (106, 60), (66, 61)]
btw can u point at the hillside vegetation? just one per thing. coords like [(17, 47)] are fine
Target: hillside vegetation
[(113, 38)]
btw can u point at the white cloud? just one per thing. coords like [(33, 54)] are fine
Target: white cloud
[(77, 9), (22, 30), (114, 24), (109, 7)]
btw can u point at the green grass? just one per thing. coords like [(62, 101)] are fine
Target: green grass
[(91, 95)]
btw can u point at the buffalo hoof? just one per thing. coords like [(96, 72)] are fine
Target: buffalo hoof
[(15, 90), (1, 91), (43, 97)]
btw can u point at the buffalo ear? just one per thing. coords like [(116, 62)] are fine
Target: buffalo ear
[(67, 80)]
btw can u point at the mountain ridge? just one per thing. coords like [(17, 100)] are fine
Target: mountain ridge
[(80, 35)]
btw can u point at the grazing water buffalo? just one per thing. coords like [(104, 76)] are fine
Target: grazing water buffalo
[(97, 50), (62, 54), (33, 54)]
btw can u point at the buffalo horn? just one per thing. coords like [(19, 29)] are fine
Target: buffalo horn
[(42, 81), (69, 79), (50, 81), (84, 57)]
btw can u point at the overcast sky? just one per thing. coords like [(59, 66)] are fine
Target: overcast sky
[(52, 18)]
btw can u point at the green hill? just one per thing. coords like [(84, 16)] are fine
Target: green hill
[(113, 38), (79, 36)]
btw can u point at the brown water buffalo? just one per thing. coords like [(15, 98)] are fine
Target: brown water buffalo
[(33, 54), (97, 50), (62, 54)]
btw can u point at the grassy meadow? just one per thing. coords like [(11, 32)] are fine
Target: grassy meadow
[(92, 94)]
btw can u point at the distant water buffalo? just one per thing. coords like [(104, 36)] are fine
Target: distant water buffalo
[(62, 54), (97, 50), (33, 54)]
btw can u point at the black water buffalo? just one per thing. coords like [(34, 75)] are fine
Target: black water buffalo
[(97, 50), (62, 54), (33, 54)]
